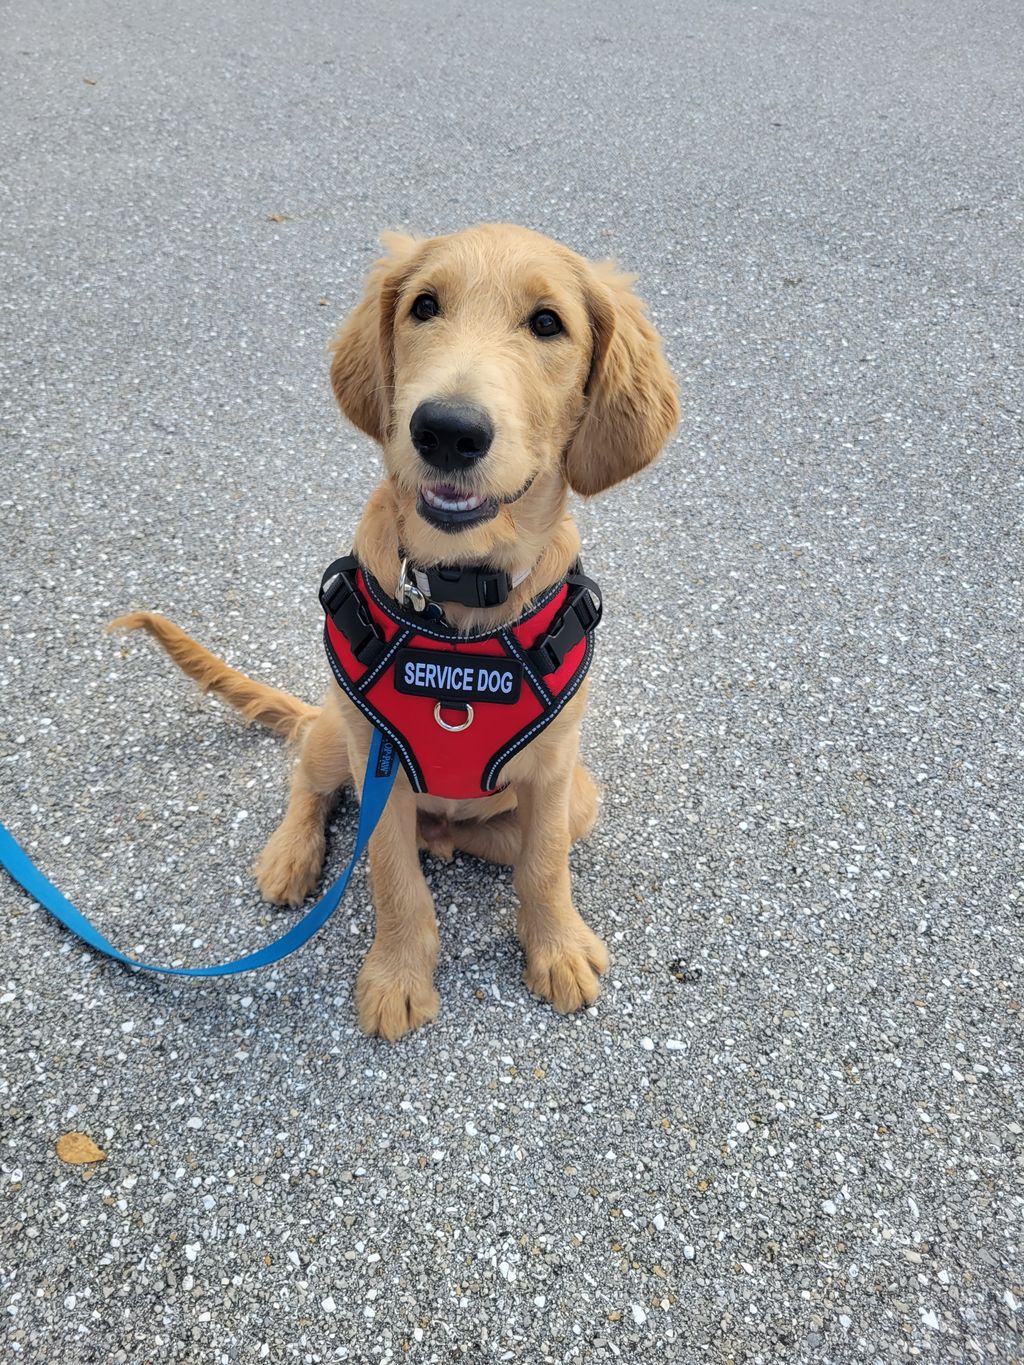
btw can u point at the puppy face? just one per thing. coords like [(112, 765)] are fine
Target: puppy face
[(491, 350), (494, 365)]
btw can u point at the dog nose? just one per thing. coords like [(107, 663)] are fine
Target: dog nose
[(451, 436)]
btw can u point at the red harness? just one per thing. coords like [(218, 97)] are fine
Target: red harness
[(456, 707)]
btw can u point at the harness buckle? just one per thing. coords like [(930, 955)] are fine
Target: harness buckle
[(344, 604), (579, 616)]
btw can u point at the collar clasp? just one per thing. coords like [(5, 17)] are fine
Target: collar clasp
[(408, 594)]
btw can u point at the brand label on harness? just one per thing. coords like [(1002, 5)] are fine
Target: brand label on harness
[(457, 677)]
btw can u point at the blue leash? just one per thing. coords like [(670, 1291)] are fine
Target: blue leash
[(381, 771)]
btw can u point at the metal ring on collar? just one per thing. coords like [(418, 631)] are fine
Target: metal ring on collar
[(408, 592), (454, 728)]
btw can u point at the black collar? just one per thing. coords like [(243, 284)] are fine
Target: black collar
[(474, 585)]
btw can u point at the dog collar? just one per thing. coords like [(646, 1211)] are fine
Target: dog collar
[(475, 585)]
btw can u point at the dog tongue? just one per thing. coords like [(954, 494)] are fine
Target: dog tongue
[(447, 491)]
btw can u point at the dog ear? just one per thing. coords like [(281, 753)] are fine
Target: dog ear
[(361, 365), (632, 406)]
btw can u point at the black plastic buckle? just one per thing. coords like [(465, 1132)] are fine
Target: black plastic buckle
[(469, 587), (344, 603), (574, 622), (565, 634), (545, 656)]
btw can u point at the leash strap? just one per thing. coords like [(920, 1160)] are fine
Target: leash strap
[(381, 771)]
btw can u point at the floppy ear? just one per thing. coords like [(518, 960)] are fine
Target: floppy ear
[(361, 366), (631, 402)]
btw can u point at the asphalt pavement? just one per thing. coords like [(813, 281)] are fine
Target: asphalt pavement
[(791, 1128)]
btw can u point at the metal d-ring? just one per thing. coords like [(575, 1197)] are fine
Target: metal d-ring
[(454, 728)]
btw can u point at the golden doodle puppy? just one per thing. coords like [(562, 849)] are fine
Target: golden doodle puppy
[(498, 370)]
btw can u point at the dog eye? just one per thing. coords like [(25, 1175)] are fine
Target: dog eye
[(425, 307), (545, 323)]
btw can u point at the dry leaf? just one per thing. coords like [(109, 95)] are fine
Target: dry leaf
[(322, 303), (79, 1150), (279, 218), (88, 81)]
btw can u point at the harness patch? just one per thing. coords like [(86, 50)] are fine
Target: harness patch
[(458, 677), (386, 758)]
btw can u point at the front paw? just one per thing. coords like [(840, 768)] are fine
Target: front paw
[(392, 998), (566, 971), (289, 867)]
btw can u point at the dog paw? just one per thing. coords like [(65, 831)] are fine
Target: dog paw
[(566, 972), (392, 1000), (289, 867)]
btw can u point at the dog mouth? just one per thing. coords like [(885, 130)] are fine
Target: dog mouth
[(455, 509)]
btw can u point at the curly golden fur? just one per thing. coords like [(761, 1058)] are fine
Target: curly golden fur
[(582, 412)]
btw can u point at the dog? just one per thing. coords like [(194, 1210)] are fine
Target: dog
[(498, 370)]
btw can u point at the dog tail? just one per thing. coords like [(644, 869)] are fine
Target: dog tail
[(278, 710)]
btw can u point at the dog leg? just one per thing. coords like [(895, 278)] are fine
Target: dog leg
[(498, 840), (564, 957), (584, 800), (289, 867), (395, 990), (495, 840)]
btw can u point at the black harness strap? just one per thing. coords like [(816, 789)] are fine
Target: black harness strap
[(579, 616), (344, 603)]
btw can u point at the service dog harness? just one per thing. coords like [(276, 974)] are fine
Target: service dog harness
[(456, 706), (453, 708)]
